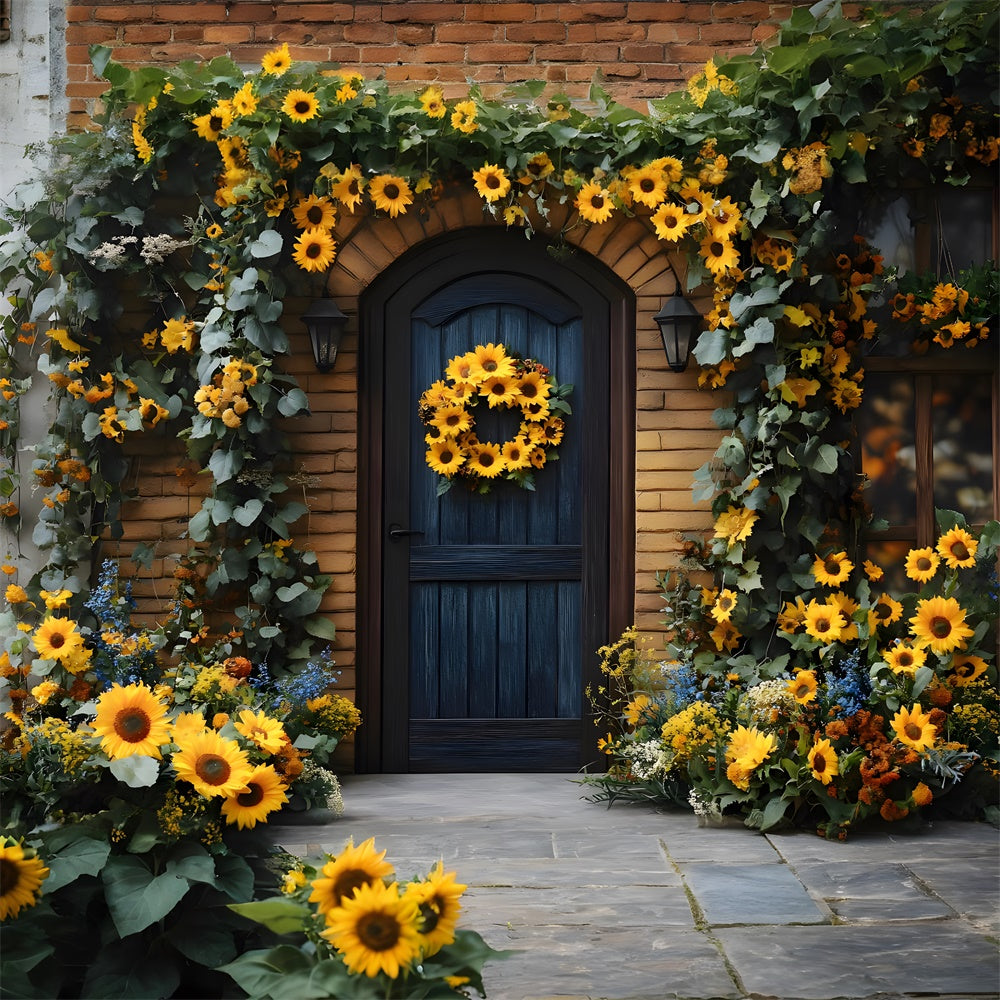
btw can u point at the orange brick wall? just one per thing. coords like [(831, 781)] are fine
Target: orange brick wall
[(642, 49)]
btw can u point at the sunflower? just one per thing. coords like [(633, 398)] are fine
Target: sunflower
[(131, 721), (921, 564), (344, 874), (746, 750), (724, 606), (802, 686), (244, 100), (315, 250), (277, 61), (438, 907), (452, 420), (267, 733), (940, 624), (914, 728), (461, 367), (735, 524), (300, 105), (887, 610), (214, 765), (517, 453), (538, 458), (671, 221), (553, 430), (823, 761), (832, 570), (536, 169), (594, 203), (264, 794), (486, 460), (432, 101), (904, 659), (211, 126), (376, 931), (445, 457), (958, 549), (648, 186), (390, 194), (499, 390), (491, 182), (348, 187), (966, 668), (314, 213), (823, 621), (21, 878), (533, 386), (57, 639), (492, 359), (719, 254)]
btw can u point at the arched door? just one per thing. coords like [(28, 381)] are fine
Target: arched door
[(488, 609)]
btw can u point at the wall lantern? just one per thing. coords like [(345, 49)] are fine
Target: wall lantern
[(325, 323), (678, 321)]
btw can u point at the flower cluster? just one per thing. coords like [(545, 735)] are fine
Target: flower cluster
[(357, 920), (884, 704), (505, 381), (226, 399)]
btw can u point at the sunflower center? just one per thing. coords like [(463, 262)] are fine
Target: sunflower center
[(832, 567), (725, 603), (490, 365), (132, 725), (671, 222), (453, 419), (923, 564), (822, 624), (941, 627), (819, 763), (492, 181), (717, 248), (802, 691), (529, 390), (485, 459), (378, 931), (647, 184), (303, 107), (499, 389), (349, 880), (597, 201), (252, 797), (429, 917), (391, 191), (212, 769), (57, 640), (959, 550), (215, 123), (883, 611), (314, 250), (10, 875), (905, 659), (913, 731), (315, 215), (446, 456)]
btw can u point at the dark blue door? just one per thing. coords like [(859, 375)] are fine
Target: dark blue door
[(492, 606)]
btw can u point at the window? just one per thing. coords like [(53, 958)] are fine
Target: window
[(5, 20), (929, 426)]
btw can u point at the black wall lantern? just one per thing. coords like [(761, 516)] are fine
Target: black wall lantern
[(678, 321), (325, 323)]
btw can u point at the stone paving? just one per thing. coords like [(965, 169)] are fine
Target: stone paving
[(630, 903)]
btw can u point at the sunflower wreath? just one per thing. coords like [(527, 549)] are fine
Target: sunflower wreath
[(504, 380)]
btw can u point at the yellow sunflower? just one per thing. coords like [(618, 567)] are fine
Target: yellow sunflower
[(746, 750), (499, 390), (486, 460), (244, 100), (453, 420), (802, 686), (377, 930), (904, 659), (267, 733), (873, 571), (594, 203), (832, 570), (263, 795), (432, 101), (719, 255), (535, 413), (913, 727), (492, 359), (517, 453), (348, 187), (823, 762), (445, 457), (300, 105), (214, 765), (461, 367), (958, 549), (315, 250), (966, 668), (533, 386), (921, 564), (671, 221), (277, 61), (491, 182), (438, 906), (390, 194), (648, 186), (887, 610), (553, 430), (940, 624), (21, 877), (536, 169), (724, 606), (131, 721), (314, 212), (211, 126), (823, 621), (57, 639), (344, 874), (735, 524)]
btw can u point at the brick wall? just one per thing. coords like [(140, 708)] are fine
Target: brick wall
[(642, 49)]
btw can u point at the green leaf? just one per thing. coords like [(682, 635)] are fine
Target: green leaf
[(711, 347), (131, 970), (248, 512), (761, 331), (203, 937), (295, 401), (85, 856), (774, 812), (267, 244), (225, 464), (136, 898), (199, 527), (321, 628), (234, 876), (283, 916), (827, 457), (191, 861), (136, 771)]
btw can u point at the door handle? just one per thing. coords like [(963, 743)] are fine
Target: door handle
[(396, 532)]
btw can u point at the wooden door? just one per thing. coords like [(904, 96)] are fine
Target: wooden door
[(492, 606)]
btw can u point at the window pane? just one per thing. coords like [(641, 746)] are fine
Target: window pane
[(963, 444), (886, 425), (891, 556)]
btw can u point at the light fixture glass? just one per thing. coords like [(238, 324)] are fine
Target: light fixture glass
[(678, 321), (325, 323)]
